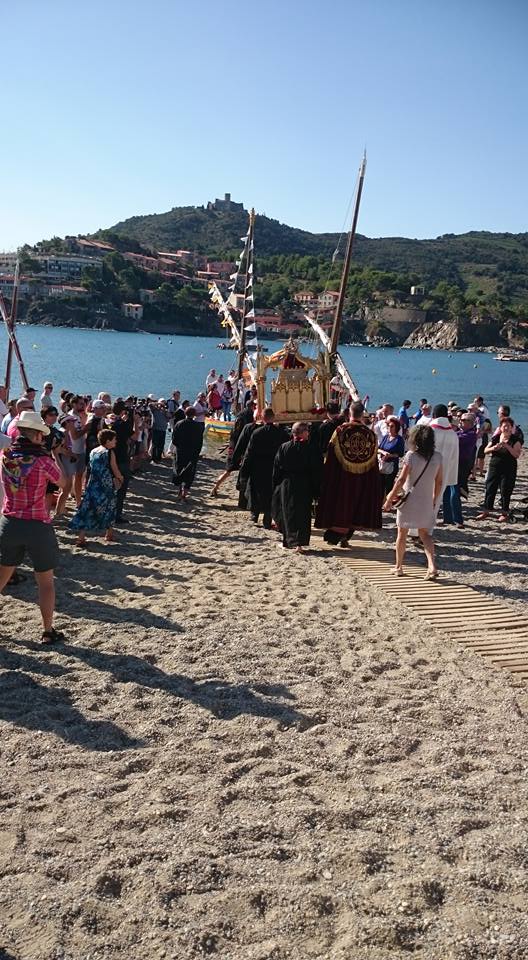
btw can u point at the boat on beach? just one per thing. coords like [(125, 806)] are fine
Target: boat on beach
[(218, 429)]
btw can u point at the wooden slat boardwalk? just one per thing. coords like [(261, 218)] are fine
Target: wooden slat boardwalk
[(476, 621)]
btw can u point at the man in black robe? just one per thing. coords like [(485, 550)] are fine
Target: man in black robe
[(324, 431), (187, 439), (296, 477), (257, 466), (242, 420)]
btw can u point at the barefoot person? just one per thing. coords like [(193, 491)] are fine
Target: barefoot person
[(421, 480), (25, 524), (97, 510)]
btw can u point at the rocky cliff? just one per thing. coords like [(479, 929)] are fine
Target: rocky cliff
[(456, 334)]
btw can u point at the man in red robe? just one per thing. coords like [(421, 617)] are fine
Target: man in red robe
[(351, 492)]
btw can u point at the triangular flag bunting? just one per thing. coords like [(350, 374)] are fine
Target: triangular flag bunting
[(250, 313), (233, 276), (251, 343), (244, 238), (251, 328), (250, 269), (250, 282)]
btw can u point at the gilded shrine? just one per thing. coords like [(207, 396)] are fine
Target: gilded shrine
[(301, 387)]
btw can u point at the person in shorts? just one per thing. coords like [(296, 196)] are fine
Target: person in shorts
[(26, 468)]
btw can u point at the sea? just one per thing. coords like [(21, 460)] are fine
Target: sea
[(89, 361)]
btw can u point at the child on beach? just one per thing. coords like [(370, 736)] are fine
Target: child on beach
[(97, 510)]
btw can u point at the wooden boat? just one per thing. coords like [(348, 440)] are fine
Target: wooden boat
[(301, 385), (218, 429)]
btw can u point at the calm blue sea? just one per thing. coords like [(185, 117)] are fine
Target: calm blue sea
[(124, 363)]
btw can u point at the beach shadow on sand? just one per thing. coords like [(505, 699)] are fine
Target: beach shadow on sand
[(224, 700), (24, 702)]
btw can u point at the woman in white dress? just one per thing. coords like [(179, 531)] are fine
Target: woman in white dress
[(421, 479)]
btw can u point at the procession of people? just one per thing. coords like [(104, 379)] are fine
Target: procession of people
[(339, 473)]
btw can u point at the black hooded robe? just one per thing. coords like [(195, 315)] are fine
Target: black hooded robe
[(187, 438), (296, 477), (258, 468)]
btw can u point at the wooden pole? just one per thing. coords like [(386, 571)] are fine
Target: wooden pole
[(249, 261), (13, 347), (336, 329)]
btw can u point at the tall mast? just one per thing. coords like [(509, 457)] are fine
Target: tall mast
[(13, 346), (247, 287), (336, 329)]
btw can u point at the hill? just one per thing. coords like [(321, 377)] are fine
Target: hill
[(479, 263)]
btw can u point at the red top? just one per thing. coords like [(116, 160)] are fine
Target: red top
[(25, 491)]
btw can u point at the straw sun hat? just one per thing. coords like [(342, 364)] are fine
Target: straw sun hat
[(32, 421)]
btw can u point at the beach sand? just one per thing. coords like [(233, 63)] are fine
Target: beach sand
[(254, 755)]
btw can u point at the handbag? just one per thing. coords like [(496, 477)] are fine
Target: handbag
[(399, 501), (385, 466)]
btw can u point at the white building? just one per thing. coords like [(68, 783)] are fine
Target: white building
[(133, 310)]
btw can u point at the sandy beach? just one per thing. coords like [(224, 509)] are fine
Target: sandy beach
[(250, 754)]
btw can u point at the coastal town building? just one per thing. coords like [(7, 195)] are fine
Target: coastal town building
[(66, 290), (327, 300), (305, 297), (223, 268), (8, 263), (67, 267), (26, 286), (142, 260), (88, 247), (132, 310), (147, 296)]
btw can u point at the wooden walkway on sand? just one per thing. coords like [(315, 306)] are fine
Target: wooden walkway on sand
[(477, 621)]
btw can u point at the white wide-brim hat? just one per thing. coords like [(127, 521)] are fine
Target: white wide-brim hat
[(32, 421)]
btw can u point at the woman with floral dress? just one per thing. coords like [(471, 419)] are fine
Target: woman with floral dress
[(97, 509)]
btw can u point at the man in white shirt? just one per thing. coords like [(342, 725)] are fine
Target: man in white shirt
[(210, 378), (446, 443), (482, 408), (200, 405), (425, 415), (3, 406), (381, 427), (46, 399)]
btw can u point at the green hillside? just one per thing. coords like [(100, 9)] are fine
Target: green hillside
[(483, 265)]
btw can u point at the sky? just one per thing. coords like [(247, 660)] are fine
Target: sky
[(113, 108)]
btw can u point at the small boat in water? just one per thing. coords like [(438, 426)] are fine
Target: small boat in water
[(512, 357)]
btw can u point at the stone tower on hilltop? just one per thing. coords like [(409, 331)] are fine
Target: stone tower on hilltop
[(226, 205)]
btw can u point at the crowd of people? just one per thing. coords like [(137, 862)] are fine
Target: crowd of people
[(343, 472), (339, 473)]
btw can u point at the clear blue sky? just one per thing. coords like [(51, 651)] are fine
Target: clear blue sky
[(119, 107)]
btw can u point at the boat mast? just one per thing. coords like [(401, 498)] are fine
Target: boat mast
[(336, 329), (247, 287), (10, 322)]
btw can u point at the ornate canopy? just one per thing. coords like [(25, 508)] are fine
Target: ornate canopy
[(301, 387)]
